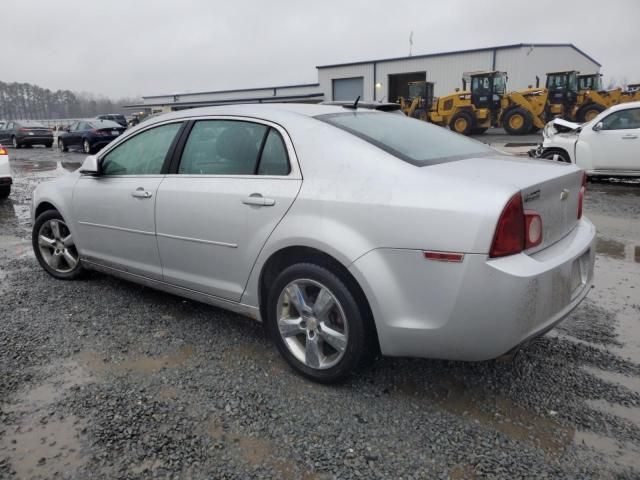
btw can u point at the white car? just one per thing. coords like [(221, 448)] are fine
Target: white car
[(347, 231), (5, 173), (607, 145)]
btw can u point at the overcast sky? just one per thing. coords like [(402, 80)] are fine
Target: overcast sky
[(142, 47)]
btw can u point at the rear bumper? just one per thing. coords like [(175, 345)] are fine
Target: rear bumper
[(478, 309), (35, 140), (5, 181)]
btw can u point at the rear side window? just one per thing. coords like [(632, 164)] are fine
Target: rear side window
[(274, 159), (414, 141), (233, 147), (143, 154)]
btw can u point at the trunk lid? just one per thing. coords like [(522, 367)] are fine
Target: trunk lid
[(549, 188)]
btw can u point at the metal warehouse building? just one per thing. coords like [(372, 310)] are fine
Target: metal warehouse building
[(386, 79)]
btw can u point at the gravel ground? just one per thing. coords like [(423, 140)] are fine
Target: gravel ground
[(106, 379)]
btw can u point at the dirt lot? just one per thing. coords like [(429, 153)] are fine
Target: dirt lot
[(106, 379)]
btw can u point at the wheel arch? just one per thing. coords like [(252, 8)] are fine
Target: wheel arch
[(43, 207), (290, 255)]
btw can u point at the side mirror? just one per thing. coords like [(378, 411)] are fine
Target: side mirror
[(90, 166), (598, 126)]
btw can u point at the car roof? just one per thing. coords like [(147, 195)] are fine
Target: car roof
[(623, 106), (270, 111)]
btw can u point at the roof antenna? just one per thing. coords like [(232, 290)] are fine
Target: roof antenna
[(354, 106)]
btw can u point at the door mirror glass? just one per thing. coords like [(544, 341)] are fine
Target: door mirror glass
[(90, 166), (597, 127)]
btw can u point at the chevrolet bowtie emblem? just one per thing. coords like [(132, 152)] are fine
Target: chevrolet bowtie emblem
[(564, 194)]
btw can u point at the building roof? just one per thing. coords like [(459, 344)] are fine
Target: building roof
[(454, 52), (236, 90)]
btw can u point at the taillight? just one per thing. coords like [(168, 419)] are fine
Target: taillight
[(3, 151), (583, 189), (97, 132), (23, 129), (533, 229), (517, 229)]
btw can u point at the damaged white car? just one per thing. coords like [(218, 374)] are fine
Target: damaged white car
[(607, 145)]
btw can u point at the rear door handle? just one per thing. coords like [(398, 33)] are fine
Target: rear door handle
[(629, 137), (258, 200), (141, 193)]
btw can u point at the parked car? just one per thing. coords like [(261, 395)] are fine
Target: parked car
[(25, 133), (607, 145), (377, 232), (90, 135), (114, 117), (5, 173)]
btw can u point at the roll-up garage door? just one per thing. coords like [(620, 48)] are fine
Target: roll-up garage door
[(347, 88)]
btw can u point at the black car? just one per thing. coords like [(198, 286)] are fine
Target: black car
[(25, 133), (90, 135), (114, 117)]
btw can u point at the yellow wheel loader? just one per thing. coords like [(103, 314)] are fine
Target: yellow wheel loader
[(471, 111)]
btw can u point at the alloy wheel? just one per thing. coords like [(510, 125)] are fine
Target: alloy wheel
[(87, 147), (312, 323), (14, 140), (56, 246)]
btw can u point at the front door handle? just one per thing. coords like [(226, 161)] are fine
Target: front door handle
[(258, 200), (141, 193), (629, 137)]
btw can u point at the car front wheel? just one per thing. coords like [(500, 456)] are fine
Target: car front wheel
[(62, 146), (316, 322), (54, 246), (86, 146)]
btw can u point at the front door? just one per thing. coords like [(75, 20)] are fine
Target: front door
[(234, 183), (114, 211), (617, 145)]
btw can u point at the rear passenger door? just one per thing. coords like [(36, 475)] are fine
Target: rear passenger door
[(233, 182)]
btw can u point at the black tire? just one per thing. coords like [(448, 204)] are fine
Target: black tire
[(86, 146), (15, 142), (62, 146), (587, 112), (562, 155), (75, 272), (48, 145), (360, 344), (463, 123), (5, 191), (517, 121), (535, 129), (479, 131)]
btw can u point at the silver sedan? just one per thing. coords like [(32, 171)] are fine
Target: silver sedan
[(348, 232)]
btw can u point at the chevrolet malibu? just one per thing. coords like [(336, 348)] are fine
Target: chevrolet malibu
[(347, 232)]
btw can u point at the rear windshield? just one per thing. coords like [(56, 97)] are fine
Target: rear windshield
[(414, 141), (32, 124), (104, 124)]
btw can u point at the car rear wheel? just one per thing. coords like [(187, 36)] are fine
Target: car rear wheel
[(5, 191), (317, 325), (62, 146), (48, 145), (86, 146), (54, 246), (15, 143)]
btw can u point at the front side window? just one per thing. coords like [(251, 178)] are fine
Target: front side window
[(408, 139), (143, 154), (222, 147), (622, 120)]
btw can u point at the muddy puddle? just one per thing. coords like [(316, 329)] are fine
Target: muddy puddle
[(258, 452), (145, 365), (495, 413), (38, 442)]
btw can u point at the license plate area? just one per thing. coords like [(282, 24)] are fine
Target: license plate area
[(115, 133), (579, 272)]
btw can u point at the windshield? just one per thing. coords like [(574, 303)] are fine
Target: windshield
[(499, 84), (414, 141), (417, 89)]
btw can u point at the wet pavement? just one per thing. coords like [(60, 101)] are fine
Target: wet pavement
[(112, 380)]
